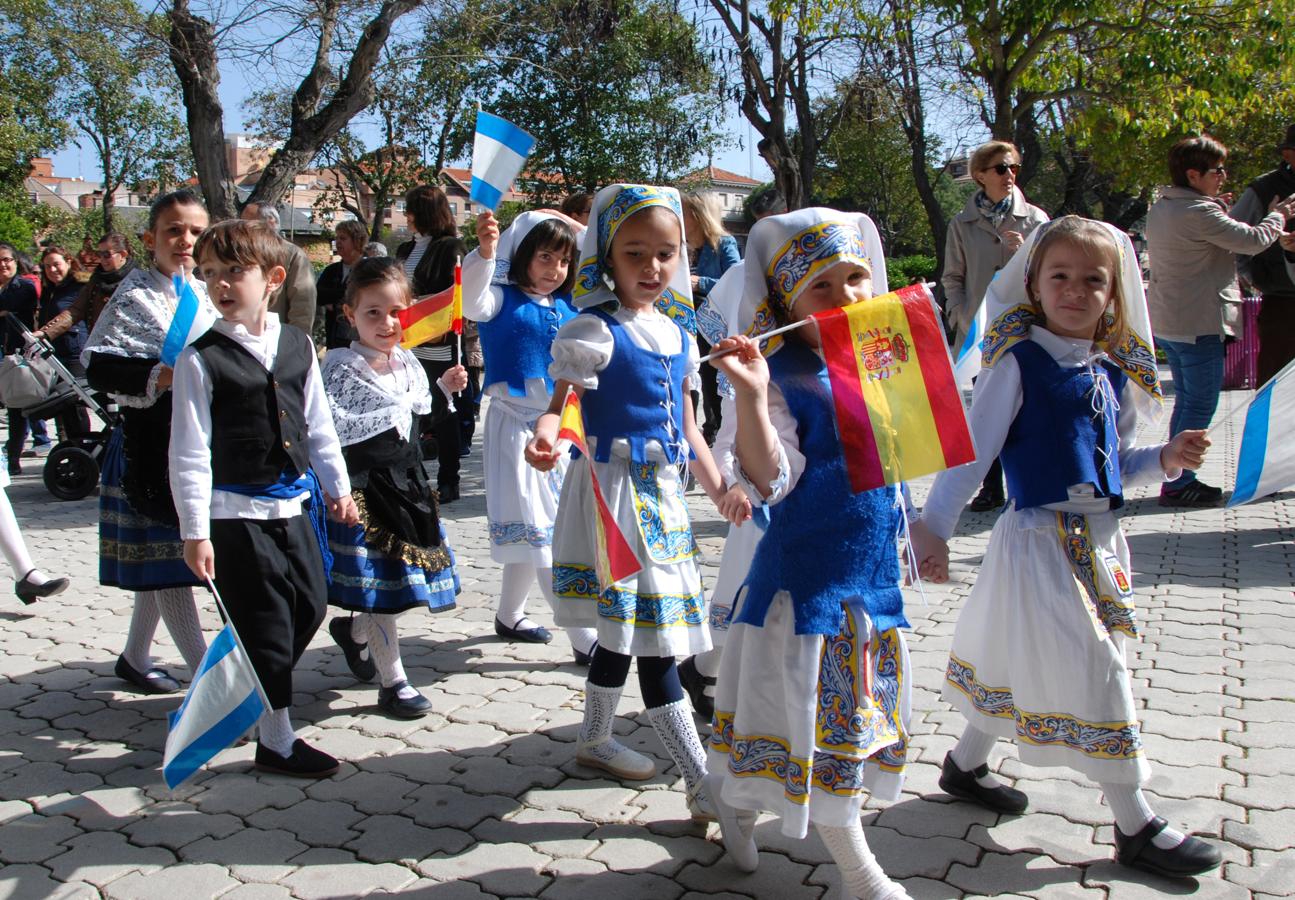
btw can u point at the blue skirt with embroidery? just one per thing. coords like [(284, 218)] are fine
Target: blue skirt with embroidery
[(136, 552), (366, 578)]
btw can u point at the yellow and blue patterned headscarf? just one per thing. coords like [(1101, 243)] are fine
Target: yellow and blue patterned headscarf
[(612, 206), (785, 253), (1010, 315)]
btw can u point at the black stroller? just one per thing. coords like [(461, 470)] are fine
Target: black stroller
[(72, 468)]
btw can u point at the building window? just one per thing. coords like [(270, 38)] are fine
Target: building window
[(723, 201), (400, 206), (454, 209)]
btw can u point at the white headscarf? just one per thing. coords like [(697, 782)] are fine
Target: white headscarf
[(1010, 315), (612, 206), (515, 233), (784, 253)]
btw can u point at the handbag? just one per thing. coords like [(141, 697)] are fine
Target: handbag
[(24, 382)]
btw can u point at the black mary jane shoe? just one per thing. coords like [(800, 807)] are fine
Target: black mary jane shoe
[(1192, 857), (964, 786), (152, 681), (537, 635), (986, 501), (29, 593), (585, 660), (303, 762), (390, 702), (695, 683), (362, 667)]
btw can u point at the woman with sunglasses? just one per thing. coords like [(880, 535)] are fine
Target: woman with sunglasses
[(1194, 298), (981, 239)]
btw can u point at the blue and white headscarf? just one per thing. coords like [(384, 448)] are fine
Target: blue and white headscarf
[(612, 206), (515, 233)]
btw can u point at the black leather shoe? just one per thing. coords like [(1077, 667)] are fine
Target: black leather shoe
[(695, 683), (360, 664), (304, 761), (537, 635), (390, 702), (153, 681), (986, 500), (585, 660), (963, 785), (1192, 857), (447, 493), (29, 593)]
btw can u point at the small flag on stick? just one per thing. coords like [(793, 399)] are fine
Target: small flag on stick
[(614, 558), (967, 361), (899, 413), (498, 153), (191, 320), (1266, 463), (434, 316)]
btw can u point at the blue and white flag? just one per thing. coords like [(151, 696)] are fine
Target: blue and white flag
[(966, 358), (498, 153), (224, 700), (1267, 460), (192, 318)]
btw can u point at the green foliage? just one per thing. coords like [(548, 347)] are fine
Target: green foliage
[(30, 72), (15, 225), (507, 211), (905, 270)]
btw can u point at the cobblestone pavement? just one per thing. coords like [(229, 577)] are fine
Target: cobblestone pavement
[(483, 799)]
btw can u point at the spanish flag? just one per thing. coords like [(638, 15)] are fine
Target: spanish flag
[(898, 410), (432, 317), (614, 560)]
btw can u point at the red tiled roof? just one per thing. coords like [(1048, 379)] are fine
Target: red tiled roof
[(716, 175)]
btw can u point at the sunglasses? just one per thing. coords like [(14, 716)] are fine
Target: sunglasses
[(1218, 170), (1004, 168)]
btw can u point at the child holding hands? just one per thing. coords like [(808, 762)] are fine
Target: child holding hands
[(249, 428), (1038, 653)]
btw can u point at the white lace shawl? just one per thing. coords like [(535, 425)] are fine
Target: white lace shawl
[(135, 322), (364, 402)]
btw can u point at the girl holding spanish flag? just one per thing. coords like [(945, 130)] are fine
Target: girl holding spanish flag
[(812, 704), (631, 363), (1038, 653), (397, 558)]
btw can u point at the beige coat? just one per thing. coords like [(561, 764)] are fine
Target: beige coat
[(973, 251), (1192, 245), (295, 301)]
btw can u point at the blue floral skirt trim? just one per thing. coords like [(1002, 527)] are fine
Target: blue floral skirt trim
[(367, 579)]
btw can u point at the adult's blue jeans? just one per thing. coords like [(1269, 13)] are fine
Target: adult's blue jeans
[(1198, 378)]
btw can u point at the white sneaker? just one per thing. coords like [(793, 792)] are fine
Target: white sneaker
[(615, 758)]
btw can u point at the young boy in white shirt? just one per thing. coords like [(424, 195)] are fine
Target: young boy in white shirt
[(250, 430)]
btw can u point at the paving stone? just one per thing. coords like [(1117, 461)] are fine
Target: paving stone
[(437, 806), (1122, 883), (34, 838), (640, 886), (397, 839), (429, 889), (503, 869), (369, 792), (176, 825), (777, 876), (324, 873), (555, 833), (1012, 873), (102, 857), (258, 892), (1268, 872), (250, 853), (172, 882), (628, 848), (482, 774), (315, 823), (242, 795), (31, 882)]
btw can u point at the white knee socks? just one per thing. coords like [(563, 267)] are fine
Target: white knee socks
[(861, 874), (513, 591), (143, 624), (674, 725), (582, 639), (1132, 813), (274, 730), (13, 546), (180, 614), (384, 644), (972, 752)]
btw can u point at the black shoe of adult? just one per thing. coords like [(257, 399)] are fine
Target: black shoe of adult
[(14, 468), (1192, 857), (585, 660), (537, 635), (447, 493), (152, 681), (695, 683), (358, 659), (963, 785), (303, 762), (1193, 495), (390, 702), (29, 593), (986, 501)]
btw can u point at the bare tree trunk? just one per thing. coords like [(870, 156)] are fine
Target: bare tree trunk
[(191, 44)]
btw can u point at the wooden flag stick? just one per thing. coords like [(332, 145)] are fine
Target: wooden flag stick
[(768, 334)]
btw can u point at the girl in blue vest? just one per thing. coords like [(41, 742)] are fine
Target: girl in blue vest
[(1038, 653), (812, 704), (526, 276), (632, 364), (397, 558)]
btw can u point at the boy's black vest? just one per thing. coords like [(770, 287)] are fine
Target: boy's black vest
[(258, 418)]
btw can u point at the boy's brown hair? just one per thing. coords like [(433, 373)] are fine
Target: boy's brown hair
[(242, 242)]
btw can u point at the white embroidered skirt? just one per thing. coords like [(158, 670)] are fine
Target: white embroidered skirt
[(739, 550), (1033, 658), (661, 611), (807, 726), (521, 501)]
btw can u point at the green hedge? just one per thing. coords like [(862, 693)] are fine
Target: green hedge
[(905, 270)]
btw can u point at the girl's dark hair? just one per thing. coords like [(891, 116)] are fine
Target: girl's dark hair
[(550, 234), (431, 211), (376, 270), (1199, 153), (118, 242), (182, 197)]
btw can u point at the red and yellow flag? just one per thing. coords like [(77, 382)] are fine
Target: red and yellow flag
[(898, 410), (433, 316), (614, 559)]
